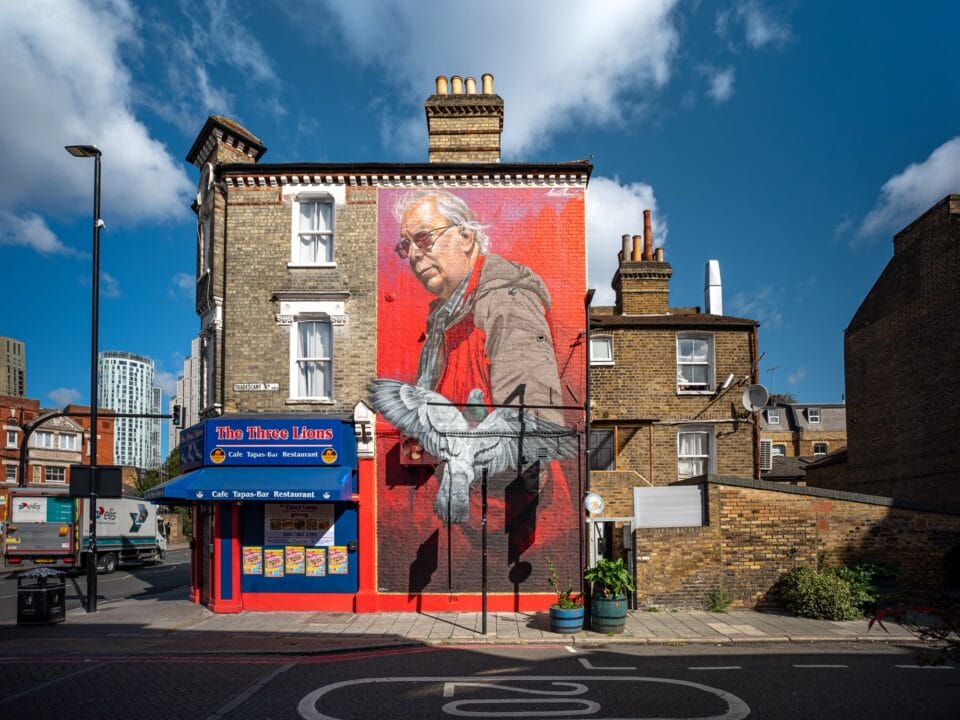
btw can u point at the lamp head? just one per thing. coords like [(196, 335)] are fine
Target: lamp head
[(83, 150)]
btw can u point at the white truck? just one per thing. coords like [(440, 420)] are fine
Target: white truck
[(53, 529)]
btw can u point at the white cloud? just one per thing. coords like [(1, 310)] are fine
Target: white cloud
[(761, 306), (795, 377), (182, 286), (62, 396), (614, 210), (558, 64), (760, 27), (720, 83), (31, 230), (64, 82), (914, 190), (166, 381), (109, 287)]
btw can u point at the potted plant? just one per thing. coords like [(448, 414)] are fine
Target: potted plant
[(566, 612), (611, 582)]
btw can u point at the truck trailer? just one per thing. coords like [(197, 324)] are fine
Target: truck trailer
[(47, 528)]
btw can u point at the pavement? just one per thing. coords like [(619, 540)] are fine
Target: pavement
[(168, 623)]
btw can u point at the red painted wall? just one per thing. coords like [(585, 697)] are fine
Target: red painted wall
[(531, 516)]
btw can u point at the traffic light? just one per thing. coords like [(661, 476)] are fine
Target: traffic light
[(177, 416)]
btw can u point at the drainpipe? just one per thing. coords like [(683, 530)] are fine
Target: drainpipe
[(588, 298), (753, 416)]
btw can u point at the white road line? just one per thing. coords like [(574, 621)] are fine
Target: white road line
[(715, 667), (570, 648), (590, 666), (820, 666), (925, 667), (246, 694)]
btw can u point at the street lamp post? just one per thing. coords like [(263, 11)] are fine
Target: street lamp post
[(94, 152)]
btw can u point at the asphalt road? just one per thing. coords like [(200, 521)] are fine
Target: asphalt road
[(128, 581), (764, 681)]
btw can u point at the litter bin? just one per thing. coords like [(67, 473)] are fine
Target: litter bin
[(41, 597)]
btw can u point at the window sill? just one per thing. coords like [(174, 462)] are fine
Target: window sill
[(695, 392), (310, 401), (309, 266), (601, 363)]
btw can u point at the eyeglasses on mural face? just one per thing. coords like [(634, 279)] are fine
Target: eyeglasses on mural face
[(424, 239)]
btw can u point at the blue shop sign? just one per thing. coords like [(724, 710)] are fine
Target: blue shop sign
[(231, 442)]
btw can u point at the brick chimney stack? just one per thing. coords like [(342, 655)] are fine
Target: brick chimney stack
[(221, 140), (463, 126), (642, 281)]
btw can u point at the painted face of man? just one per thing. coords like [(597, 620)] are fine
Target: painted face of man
[(441, 255)]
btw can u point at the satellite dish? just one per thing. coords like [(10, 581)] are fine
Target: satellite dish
[(755, 398)]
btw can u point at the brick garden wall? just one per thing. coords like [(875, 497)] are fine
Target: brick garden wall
[(757, 530)]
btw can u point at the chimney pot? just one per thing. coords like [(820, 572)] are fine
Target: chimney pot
[(624, 248), (441, 85), (471, 86), (456, 85), (647, 236), (635, 255), (487, 80), (658, 255)]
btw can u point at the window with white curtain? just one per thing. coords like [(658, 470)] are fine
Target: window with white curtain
[(68, 442), (693, 453), (11, 473), (313, 244), (43, 439), (314, 359), (11, 438), (779, 450), (601, 350), (694, 362)]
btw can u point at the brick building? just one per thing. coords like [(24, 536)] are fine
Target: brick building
[(307, 303), (903, 403), (666, 387), (792, 434)]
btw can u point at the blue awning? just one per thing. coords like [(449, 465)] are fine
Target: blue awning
[(284, 484)]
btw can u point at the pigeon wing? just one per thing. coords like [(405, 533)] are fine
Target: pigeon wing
[(499, 448), (408, 408)]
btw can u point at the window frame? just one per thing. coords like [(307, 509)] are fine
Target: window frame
[(710, 456), (15, 443), (296, 360), (65, 440), (610, 437), (826, 449), (778, 446), (10, 474), (606, 340), (814, 415), (312, 197), (60, 471), (709, 386), (773, 416)]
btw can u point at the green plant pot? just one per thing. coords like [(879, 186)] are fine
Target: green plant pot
[(608, 615), (566, 621)]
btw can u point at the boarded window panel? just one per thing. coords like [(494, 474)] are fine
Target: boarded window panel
[(674, 506)]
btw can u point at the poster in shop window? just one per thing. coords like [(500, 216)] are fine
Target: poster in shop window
[(306, 524), (337, 560), (273, 562), (316, 562), (253, 560), (295, 561)]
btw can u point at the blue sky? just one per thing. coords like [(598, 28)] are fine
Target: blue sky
[(788, 140)]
